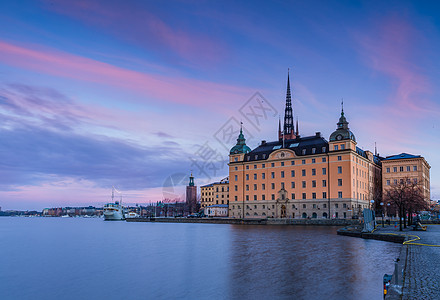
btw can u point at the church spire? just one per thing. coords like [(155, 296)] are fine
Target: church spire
[(297, 127), (288, 113)]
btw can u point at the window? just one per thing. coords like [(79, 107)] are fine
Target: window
[(388, 182), (282, 174), (313, 160), (273, 185), (324, 171), (272, 165), (342, 147), (303, 161), (344, 205), (236, 159), (324, 149), (313, 195), (255, 186), (313, 183), (263, 197), (263, 175), (339, 170), (236, 168), (388, 170), (272, 174), (414, 168), (247, 167), (292, 173), (324, 159), (263, 186), (255, 176), (235, 198), (313, 150), (236, 177), (263, 166), (324, 205), (401, 169), (255, 166), (247, 197), (339, 182), (273, 198), (314, 206), (293, 196), (282, 185), (303, 184), (282, 163), (304, 206), (395, 181), (313, 172), (293, 184), (339, 157), (236, 188), (304, 196), (408, 168), (336, 205), (339, 194), (336, 147), (415, 180), (324, 183), (395, 169), (247, 187), (264, 156), (303, 172), (255, 199), (303, 151), (247, 176), (324, 195)]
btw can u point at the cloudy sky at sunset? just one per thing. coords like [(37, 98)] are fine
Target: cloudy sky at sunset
[(137, 94)]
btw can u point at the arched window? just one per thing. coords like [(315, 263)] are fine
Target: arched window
[(314, 215), (324, 215), (304, 215)]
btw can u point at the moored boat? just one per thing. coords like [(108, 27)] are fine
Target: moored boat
[(114, 211)]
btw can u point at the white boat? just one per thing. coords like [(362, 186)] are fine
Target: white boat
[(132, 214), (114, 211)]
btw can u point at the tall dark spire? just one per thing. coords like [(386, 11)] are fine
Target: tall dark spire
[(297, 127), (288, 113)]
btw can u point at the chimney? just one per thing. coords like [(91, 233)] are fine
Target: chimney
[(318, 134)]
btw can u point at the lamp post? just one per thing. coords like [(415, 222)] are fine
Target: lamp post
[(381, 208)]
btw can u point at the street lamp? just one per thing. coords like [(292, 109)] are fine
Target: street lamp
[(381, 208)]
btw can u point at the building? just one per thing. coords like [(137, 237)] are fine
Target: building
[(406, 167), (302, 177), (215, 193), (217, 210), (191, 196), (206, 195)]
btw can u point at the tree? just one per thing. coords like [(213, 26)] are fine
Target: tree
[(407, 197)]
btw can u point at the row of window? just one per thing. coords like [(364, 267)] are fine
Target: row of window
[(304, 196), (304, 206), (292, 174), (292, 185), (401, 181), (401, 169)]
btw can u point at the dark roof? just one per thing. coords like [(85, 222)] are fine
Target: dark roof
[(401, 156), (208, 185), (297, 145)]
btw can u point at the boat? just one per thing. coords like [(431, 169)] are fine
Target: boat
[(132, 214), (114, 211)]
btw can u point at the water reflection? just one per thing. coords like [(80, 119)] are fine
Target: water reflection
[(287, 262)]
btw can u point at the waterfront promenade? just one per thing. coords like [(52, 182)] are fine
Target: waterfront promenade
[(419, 266)]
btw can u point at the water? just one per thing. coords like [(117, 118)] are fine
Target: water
[(76, 258)]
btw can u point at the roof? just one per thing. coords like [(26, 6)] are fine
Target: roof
[(208, 185), (296, 145), (401, 156)]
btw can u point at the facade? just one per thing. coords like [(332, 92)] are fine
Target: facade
[(191, 196), (207, 195), (406, 166), (215, 193), (302, 177), (217, 210)]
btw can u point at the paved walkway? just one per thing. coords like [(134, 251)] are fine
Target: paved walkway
[(422, 272)]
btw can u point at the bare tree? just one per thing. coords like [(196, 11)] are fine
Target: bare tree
[(407, 197)]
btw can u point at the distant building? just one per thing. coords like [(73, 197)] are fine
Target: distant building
[(406, 166), (217, 210), (206, 195), (191, 196), (215, 193)]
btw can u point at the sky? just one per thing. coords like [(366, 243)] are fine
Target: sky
[(139, 94)]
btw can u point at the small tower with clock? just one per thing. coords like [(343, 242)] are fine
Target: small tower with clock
[(342, 138)]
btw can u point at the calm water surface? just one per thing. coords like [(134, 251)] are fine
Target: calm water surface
[(76, 258)]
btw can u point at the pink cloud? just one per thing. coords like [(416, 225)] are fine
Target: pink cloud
[(141, 26), (390, 49), (171, 89)]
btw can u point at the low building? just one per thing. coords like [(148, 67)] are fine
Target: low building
[(207, 195), (406, 166), (221, 191), (217, 210)]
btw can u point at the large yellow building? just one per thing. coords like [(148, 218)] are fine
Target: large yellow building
[(215, 193), (302, 177)]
